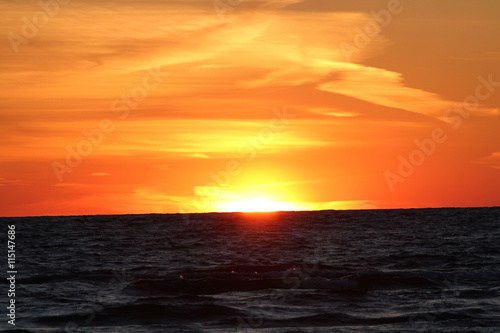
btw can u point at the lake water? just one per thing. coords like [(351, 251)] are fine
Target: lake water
[(428, 270)]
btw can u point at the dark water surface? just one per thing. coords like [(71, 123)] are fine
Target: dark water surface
[(428, 270)]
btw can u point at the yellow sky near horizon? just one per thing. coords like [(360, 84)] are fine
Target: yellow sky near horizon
[(180, 106)]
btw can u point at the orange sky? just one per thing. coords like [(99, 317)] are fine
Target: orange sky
[(163, 106)]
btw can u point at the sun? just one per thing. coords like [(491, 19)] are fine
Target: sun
[(256, 205)]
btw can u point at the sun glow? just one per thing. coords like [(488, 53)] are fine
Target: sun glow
[(256, 205)]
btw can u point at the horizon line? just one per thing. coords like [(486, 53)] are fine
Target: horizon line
[(267, 212)]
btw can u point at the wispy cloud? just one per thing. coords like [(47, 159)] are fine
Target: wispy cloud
[(383, 87), (492, 160)]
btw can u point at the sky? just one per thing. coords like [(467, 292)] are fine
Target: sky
[(117, 107)]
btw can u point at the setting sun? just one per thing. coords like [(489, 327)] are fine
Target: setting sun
[(256, 205)]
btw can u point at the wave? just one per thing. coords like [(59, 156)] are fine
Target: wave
[(89, 276), (345, 319), (148, 313), (255, 278)]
